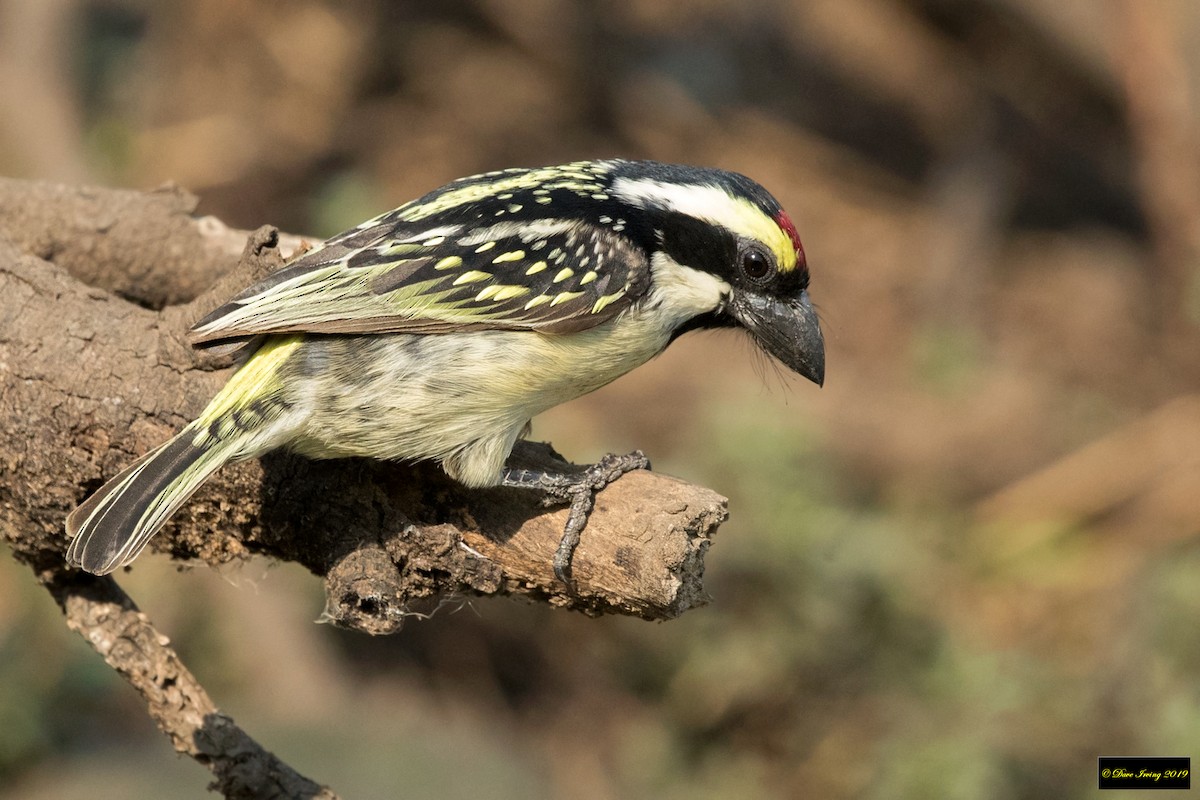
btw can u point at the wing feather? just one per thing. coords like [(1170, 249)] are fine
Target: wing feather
[(393, 276)]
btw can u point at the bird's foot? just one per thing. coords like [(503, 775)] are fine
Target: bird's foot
[(578, 490)]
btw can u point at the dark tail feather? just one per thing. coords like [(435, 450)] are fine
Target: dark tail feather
[(112, 526)]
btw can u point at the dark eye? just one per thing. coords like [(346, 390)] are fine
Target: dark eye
[(755, 264)]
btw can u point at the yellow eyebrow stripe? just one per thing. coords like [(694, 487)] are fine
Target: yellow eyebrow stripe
[(715, 206)]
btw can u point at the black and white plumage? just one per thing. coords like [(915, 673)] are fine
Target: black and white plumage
[(439, 329)]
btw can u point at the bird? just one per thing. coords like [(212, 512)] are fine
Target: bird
[(438, 330)]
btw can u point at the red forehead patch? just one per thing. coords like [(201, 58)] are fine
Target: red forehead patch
[(785, 224)]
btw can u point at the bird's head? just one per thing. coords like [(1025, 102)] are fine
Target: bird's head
[(723, 240)]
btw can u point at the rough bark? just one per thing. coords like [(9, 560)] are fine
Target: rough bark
[(91, 380), (102, 613)]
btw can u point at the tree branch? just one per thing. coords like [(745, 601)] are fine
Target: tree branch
[(102, 613), (91, 381)]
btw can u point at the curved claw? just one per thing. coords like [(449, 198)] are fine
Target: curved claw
[(580, 491)]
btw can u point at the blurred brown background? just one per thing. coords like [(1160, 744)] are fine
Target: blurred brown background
[(965, 568)]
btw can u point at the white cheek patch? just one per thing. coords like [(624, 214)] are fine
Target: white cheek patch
[(682, 292)]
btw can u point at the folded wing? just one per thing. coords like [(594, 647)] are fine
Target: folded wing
[(392, 276)]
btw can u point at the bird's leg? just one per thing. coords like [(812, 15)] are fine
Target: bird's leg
[(579, 490)]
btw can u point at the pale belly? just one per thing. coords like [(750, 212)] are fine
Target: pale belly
[(461, 399)]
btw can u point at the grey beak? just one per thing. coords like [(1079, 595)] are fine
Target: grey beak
[(785, 328)]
